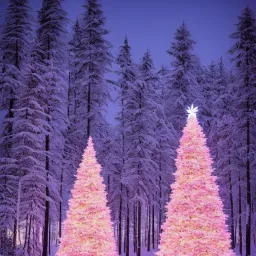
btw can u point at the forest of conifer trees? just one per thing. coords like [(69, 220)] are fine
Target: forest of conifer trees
[(55, 94)]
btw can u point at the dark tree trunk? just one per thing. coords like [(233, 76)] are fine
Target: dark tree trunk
[(60, 208), (254, 238), (124, 239), (128, 228), (29, 235), (47, 206), (69, 92), (135, 239), (47, 168), (123, 162), (26, 234), (159, 224), (149, 228), (34, 235), (139, 229), (248, 179), (49, 243), (235, 227), (108, 183), (16, 54), (10, 127), (160, 188), (240, 218), (61, 176), (120, 226), (10, 114), (153, 227), (14, 234), (231, 212), (88, 112)]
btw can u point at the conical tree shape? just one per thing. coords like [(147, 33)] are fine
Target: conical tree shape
[(195, 223), (88, 231)]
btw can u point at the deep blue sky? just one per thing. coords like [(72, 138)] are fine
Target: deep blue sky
[(152, 24)]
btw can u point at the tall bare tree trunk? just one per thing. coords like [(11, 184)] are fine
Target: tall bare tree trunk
[(139, 229), (26, 234), (153, 227), (29, 235), (124, 238), (248, 194), (62, 171), (120, 225), (127, 227), (47, 206), (159, 225), (49, 247), (14, 234), (135, 239), (47, 168), (231, 212), (149, 228), (60, 206), (240, 218)]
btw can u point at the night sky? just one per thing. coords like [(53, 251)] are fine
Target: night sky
[(152, 24)]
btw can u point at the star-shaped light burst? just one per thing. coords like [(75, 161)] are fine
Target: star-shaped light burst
[(192, 111)]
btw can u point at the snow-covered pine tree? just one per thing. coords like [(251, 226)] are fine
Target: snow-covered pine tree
[(219, 80), (29, 130), (218, 123), (74, 46), (90, 59), (223, 146), (126, 77), (14, 47), (244, 58), (73, 142), (165, 151), (209, 96), (218, 118), (94, 59), (116, 193), (51, 43), (183, 87), (198, 70), (151, 111), (139, 167), (238, 175)]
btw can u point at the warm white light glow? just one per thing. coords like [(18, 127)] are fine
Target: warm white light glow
[(192, 111)]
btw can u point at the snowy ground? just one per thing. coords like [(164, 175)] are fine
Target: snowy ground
[(143, 252), (253, 253), (146, 253)]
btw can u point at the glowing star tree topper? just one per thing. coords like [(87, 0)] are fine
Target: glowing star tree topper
[(195, 223), (88, 228), (192, 111)]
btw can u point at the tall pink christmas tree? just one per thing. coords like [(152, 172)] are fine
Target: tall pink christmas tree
[(88, 231), (195, 223)]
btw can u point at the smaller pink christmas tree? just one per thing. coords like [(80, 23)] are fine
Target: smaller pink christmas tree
[(88, 230), (195, 223)]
